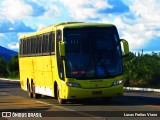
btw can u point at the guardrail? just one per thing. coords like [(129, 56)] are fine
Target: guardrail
[(142, 89), (8, 79)]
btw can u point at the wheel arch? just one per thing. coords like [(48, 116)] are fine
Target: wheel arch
[(55, 89), (27, 83)]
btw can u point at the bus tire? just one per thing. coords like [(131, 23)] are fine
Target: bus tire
[(29, 90), (60, 100), (35, 95)]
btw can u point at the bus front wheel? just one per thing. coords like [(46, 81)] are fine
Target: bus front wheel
[(60, 100)]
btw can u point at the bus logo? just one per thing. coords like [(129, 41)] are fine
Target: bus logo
[(6, 114)]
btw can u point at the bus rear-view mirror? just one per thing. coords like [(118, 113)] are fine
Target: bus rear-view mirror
[(62, 49), (125, 47)]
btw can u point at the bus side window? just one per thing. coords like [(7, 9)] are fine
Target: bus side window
[(43, 44), (52, 43), (21, 47), (59, 35), (36, 44), (24, 46), (39, 44), (32, 46), (46, 43), (29, 46)]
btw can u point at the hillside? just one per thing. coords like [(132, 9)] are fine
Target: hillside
[(6, 53)]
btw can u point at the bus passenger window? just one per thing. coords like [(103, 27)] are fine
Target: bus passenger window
[(51, 42), (21, 47), (36, 44), (43, 44), (40, 44), (46, 44), (25, 47)]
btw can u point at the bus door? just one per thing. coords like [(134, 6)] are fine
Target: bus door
[(60, 63)]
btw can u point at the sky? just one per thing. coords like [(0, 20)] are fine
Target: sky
[(137, 21)]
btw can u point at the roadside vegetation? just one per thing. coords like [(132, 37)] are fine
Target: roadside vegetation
[(139, 70), (9, 69), (142, 70)]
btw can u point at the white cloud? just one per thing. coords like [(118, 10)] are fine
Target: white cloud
[(143, 28), (11, 28), (51, 11), (83, 9), (14, 26), (139, 24), (40, 26), (15, 9), (148, 10), (134, 31), (13, 45), (1, 35), (20, 9)]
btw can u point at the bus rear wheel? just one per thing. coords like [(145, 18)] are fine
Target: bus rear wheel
[(35, 95), (29, 90), (60, 100)]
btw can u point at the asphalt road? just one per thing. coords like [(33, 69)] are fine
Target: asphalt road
[(133, 105)]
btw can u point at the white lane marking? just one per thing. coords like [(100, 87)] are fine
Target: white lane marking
[(96, 117), (43, 102), (9, 79), (7, 94)]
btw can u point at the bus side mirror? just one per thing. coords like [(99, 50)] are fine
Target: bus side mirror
[(62, 49), (125, 47)]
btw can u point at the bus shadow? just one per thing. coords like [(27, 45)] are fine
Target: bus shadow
[(25, 110), (117, 101), (126, 100)]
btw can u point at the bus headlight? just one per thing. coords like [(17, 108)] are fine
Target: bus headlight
[(117, 82), (73, 84)]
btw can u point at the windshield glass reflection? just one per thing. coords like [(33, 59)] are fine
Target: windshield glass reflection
[(93, 52)]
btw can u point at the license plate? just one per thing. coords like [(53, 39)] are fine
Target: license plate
[(96, 92)]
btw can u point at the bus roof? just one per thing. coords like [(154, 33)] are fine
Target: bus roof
[(65, 25)]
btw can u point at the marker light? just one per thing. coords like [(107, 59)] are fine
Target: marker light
[(117, 82)]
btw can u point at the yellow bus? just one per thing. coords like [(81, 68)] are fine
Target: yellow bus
[(72, 60)]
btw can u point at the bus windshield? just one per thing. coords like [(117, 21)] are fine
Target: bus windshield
[(92, 52)]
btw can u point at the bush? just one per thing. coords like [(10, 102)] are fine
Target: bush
[(13, 67), (142, 70), (3, 70)]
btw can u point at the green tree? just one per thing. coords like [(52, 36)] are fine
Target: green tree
[(128, 68), (13, 67), (142, 70), (3, 71), (155, 80)]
